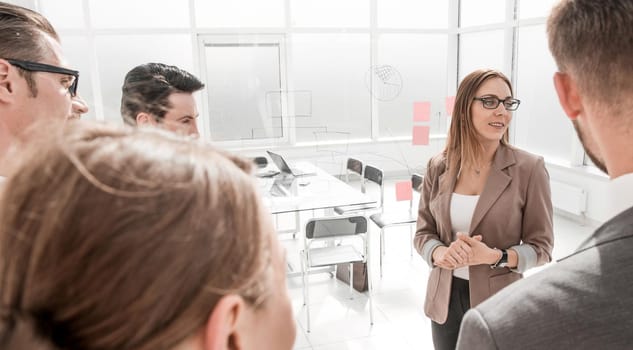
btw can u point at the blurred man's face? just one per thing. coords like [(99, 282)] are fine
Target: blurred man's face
[(183, 114)]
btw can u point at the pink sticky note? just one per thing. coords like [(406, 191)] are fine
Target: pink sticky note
[(450, 103), (421, 111), (404, 192), (421, 135)]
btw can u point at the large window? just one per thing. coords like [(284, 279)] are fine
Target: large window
[(484, 49), (238, 13), (540, 121), (419, 59), (246, 94), (298, 72), (332, 68)]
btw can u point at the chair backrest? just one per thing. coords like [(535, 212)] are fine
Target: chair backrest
[(374, 175), (331, 227), (261, 162), (416, 182), (416, 185), (354, 166)]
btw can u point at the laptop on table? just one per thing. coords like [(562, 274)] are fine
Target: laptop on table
[(283, 166)]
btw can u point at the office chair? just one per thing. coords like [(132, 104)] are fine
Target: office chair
[(331, 241), (384, 220), (369, 174)]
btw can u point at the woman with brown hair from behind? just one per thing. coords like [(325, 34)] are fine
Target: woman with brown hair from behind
[(115, 238)]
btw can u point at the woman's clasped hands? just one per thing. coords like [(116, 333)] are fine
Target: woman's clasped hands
[(464, 251)]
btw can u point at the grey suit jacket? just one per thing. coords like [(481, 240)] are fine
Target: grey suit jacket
[(585, 301)]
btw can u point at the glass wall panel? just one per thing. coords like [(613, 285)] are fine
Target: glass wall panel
[(244, 87), (535, 8), (139, 14), (329, 13), (481, 50), (64, 13), (421, 61), (481, 12), (77, 49), (419, 14), (240, 13), (117, 54), (333, 69), (540, 122)]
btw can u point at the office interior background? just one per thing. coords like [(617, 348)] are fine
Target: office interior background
[(324, 80)]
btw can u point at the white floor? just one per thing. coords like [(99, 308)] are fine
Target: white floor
[(341, 321)]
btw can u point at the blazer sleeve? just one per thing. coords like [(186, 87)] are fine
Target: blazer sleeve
[(474, 333), (537, 233), (426, 236)]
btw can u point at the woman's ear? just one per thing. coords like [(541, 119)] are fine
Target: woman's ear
[(568, 96), (222, 329)]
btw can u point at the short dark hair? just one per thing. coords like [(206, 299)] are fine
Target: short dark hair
[(147, 87), (21, 37), (591, 39)]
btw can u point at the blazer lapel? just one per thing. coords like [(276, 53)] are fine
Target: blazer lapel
[(447, 186), (496, 183)]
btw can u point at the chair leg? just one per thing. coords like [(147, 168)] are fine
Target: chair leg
[(370, 291), (297, 225), (351, 280), (382, 248), (306, 296)]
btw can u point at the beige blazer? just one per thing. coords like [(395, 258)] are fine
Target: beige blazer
[(514, 210)]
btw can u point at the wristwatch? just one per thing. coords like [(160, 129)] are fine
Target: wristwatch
[(503, 261)]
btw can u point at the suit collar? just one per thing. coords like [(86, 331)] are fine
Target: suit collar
[(612, 230)]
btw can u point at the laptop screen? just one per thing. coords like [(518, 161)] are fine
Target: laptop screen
[(280, 162)]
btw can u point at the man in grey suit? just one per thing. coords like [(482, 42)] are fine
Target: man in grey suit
[(585, 301)]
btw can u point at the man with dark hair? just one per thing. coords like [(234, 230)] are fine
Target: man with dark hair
[(162, 95), (584, 301), (34, 81)]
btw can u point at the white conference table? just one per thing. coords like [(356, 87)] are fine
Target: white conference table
[(287, 194)]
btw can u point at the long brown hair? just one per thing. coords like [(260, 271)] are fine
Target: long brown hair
[(125, 238), (462, 144)]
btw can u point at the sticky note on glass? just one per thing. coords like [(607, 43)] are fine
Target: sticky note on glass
[(421, 135), (450, 103), (404, 192), (421, 111)]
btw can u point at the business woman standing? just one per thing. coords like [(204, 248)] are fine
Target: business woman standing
[(485, 214)]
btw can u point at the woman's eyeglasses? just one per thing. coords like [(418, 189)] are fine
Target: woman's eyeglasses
[(41, 67), (491, 102)]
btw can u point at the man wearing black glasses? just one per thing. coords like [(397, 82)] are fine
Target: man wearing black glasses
[(34, 84)]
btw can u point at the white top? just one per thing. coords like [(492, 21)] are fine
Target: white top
[(619, 194), (462, 209)]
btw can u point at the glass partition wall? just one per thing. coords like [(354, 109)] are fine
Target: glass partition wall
[(299, 73)]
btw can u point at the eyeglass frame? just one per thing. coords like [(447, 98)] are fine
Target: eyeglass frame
[(499, 101), (42, 67)]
